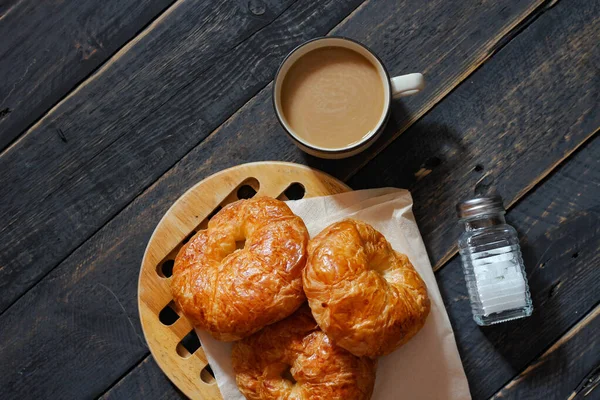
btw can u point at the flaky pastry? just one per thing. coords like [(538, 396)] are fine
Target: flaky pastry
[(231, 288), (367, 297), (294, 359)]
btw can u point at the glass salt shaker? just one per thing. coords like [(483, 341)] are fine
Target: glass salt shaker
[(492, 263)]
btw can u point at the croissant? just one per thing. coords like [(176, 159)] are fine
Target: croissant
[(365, 296), (244, 271), (294, 359)]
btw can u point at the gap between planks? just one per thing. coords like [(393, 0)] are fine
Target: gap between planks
[(93, 74), (509, 32), (502, 39), (130, 370), (518, 198), (148, 355), (523, 192), (569, 333), (505, 38)]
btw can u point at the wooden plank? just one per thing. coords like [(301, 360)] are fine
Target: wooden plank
[(134, 118), (144, 382), (570, 369), (503, 130), (169, 89), (47, 48), (112, 257), (559, 226), (466, 36), (72, 349), (544, 221)]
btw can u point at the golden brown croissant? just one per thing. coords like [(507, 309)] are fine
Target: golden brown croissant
[(367, 297), (294, 359), (233, 292)]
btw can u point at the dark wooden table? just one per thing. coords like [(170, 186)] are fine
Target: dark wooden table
[(110, 110)]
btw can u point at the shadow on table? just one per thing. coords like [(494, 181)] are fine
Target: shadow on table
[(416, 153), (552, 260)]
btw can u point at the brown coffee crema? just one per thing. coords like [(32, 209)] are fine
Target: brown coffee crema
[(332, 97)]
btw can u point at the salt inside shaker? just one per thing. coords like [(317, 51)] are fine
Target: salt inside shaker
[(492, 262)]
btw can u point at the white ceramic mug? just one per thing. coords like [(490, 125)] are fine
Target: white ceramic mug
[(398, 86)]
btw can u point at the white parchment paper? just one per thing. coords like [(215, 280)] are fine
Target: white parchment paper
[(428, 366)]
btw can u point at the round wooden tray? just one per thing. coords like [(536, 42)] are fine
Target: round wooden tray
[(170, 336)]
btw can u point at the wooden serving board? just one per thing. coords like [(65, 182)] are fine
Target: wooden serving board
[(170, 336)]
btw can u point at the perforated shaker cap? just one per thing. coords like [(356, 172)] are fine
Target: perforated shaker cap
[(479, 206)]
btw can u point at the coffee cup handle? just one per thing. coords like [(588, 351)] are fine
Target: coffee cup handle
[(406, 85)]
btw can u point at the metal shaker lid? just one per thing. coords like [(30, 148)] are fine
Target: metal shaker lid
[(479, 206)]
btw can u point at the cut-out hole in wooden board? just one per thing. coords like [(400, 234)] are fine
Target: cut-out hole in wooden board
[(168, 315), (165, 269), (295, 191), (188, 345), (248, 189), (245, 190), (207, 375), (188, 237)]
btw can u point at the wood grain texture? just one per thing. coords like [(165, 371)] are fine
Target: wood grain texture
[(118, 143), (554, 224), (98, 149), (570, 369), (139, 114), (56, 315), (112, 256), (48, 47), (186, 216), (146, 381), (504, 129), (463, 37), (559, 228)]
